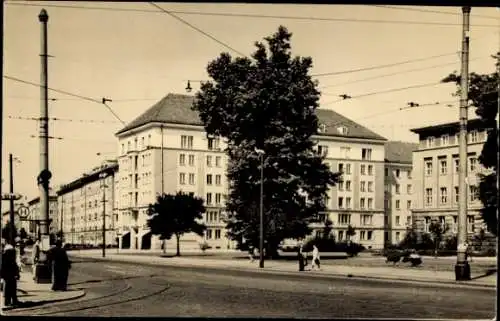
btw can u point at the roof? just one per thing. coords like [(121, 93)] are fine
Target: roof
[(399, 152), (36, 200), (475, 123), (176, 109), (94, 175)]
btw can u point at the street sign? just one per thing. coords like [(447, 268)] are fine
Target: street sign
[(23, 212)]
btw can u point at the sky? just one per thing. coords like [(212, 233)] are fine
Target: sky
[(135, 54)]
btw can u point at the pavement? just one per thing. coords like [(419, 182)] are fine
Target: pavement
[(32, 294), (333, 268)]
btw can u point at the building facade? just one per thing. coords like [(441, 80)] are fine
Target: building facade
[(166, 150), (435, 173), (81, 207), (36, 216), (398, 190)]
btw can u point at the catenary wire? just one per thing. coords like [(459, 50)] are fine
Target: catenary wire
[(433, 11), (64, 119), (102, 101), (241, 15)]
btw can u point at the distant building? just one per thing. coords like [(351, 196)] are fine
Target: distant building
[(435, 174), (166, 150), (36, 216), (398, 190), (81, 207)]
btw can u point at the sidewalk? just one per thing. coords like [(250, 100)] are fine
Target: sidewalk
[(331, 268), (32, 294)]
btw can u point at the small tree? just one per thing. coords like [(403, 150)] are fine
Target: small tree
[(327, 229), (437, 230), (176, 215), (350, 232)]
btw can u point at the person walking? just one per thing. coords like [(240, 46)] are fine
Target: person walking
[(251, 253), (300, 258), (60, 267), (10, 274), (315, 258)]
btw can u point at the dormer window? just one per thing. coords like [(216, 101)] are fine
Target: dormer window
[(321, 128), (342, 130)]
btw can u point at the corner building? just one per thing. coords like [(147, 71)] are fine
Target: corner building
[(166, 150)]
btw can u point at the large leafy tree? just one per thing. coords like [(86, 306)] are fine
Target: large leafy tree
[(176, 215), (267, 102), (483, 95)]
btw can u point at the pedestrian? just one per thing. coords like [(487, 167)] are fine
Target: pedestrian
[(315, 258), (250, 253), (300, 258), (10, 274), (60, 267)]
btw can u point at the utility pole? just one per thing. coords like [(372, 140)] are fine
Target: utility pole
[(261, 209), (462, 268), (62, 217), (12, 237)]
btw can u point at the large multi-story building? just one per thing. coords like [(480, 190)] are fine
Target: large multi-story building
[(80, 206), (398, 190), (166, 150), (36, 216), (435, 175)]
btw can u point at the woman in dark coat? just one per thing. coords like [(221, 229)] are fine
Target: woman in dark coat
[(60, 267), (10, 275)]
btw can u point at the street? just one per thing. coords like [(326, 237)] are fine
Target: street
[(120, 289)]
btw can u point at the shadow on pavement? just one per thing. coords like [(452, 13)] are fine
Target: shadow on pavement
[(31, 304), (487, 273), (113, 279)]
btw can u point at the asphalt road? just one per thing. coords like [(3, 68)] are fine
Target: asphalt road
[(121, 289)]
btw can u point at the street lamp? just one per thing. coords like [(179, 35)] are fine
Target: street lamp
[(103, 176), (261, 154)]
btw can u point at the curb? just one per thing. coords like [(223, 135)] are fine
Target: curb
[(297, 273), (39, 304)]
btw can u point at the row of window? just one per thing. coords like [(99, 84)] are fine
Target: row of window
[(397, 173), (363, 235), (209, 200), (443, 192), (472, 137), (363, 202), (454, 226), (363, 169), (182, 178), (212, 217), (397, 204), (136, 141), (397, 220), (213, 143), (397, 188), (212, 234), (443, 165)]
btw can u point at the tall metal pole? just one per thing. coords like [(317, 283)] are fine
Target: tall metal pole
[(12, 237), (43, 179), (498, 135), (462, 268), (62, 217), (103, 215), (261, 245)]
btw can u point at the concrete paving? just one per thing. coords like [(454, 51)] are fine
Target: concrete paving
[(328, 268)]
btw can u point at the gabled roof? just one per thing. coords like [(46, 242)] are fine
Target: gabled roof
[(176, 109), (399, 152)]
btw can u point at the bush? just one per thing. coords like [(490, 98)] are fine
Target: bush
[(204, 246), (450, 243), (323, 244)]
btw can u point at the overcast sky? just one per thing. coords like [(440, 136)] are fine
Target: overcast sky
[(136, 58)]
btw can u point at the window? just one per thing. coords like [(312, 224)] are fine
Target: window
[(191, 160), (428, 196), (322, 150), (209, 179), (345, 152), (387, 204), (387, 188), (457, 165), (470, 224), (408, 174), (321, 128), (408, 204), (209, 198), (456, 194), (427, 223), (473, 136), (366, 154), (444, 195), (398, 235), (342, 130), (363, 169), (408, 220), (428, 167), (218, 179), (123, 148), (209, 161), (186, 142), (340, 186), (443, 166), (445, 140), (366, 219), (472, 164), (182, 178), (398, 189), (370, 203), (191, 179), (218, 161), (362, 203), (370, 186), (363, 186), (208, 234), (455, 223), (182, 159), (398, 204), (348, 202), (348, 186), (370, 169), (430, 142), (213, 143), (398, 220), (397, 173), (218, 197), (341, 167), (341, 202), (348, 169), (386, 172), (369, 235), (344, 219), (142, 142), (473, 191), (149, 140), (341, 235)]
